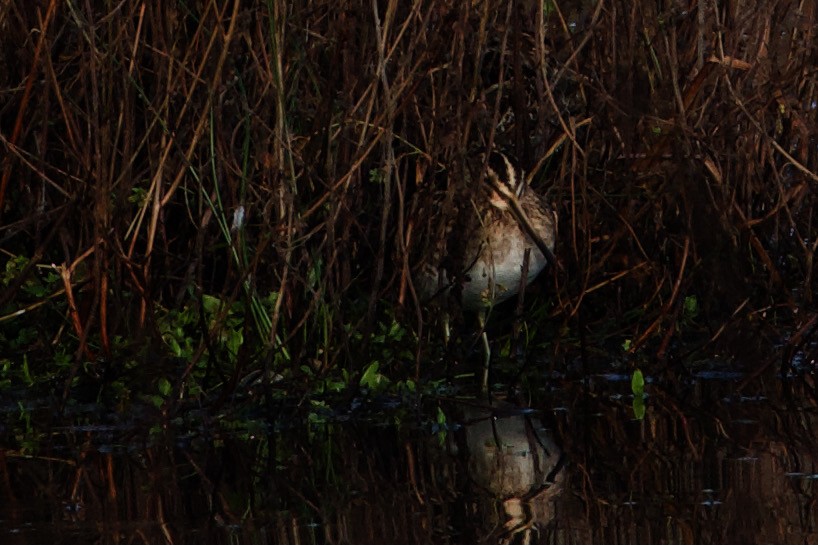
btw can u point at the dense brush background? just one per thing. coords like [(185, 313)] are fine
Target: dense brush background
[(237, 183)]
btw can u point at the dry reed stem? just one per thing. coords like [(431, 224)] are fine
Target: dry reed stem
[(650, 130), (21, 110)]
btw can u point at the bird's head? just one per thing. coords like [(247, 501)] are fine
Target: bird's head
[(504, 180)]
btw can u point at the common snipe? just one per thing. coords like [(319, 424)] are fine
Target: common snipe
[(504, 222)]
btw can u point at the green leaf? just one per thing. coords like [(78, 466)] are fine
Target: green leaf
[(234, 342), (442, 428), (638, 384), (211, 304), (376, 176), (175, 349), (691, 307), (441, 417), (165, 387), (639, 407), (371, 378), (27, 372)]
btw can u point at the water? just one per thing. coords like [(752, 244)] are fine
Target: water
[(709, 464)]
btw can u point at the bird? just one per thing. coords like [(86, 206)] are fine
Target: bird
[(506, 228)]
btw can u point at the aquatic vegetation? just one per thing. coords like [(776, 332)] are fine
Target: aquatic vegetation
[(220, 200)]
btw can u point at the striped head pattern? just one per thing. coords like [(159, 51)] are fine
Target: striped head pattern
[(505, 180)]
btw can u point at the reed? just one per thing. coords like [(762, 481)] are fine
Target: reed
[(267, 154)]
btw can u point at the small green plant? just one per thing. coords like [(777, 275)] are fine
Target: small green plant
[(43, 282), (390, 346), (28, 438), (5, 373), (183, 332), (691, 307), (376, 176), (441, 426), (638, 389), (320, 413), (372, 379), (165, 390)]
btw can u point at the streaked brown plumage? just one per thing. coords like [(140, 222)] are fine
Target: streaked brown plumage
[(493, 240), (482, 253)]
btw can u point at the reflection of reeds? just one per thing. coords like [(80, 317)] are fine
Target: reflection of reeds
[(675, 145)]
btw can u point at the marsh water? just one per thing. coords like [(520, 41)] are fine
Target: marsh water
[(717, 458)]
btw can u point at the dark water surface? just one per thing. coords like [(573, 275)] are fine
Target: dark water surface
[(710, 463)]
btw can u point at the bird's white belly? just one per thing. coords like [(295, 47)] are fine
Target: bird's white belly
[(495, 277)]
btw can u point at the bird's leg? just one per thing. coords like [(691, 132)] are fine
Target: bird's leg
[(481, 318), (518, 313)]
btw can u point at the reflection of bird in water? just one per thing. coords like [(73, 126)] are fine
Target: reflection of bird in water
[(507, 228), (516, 459)]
